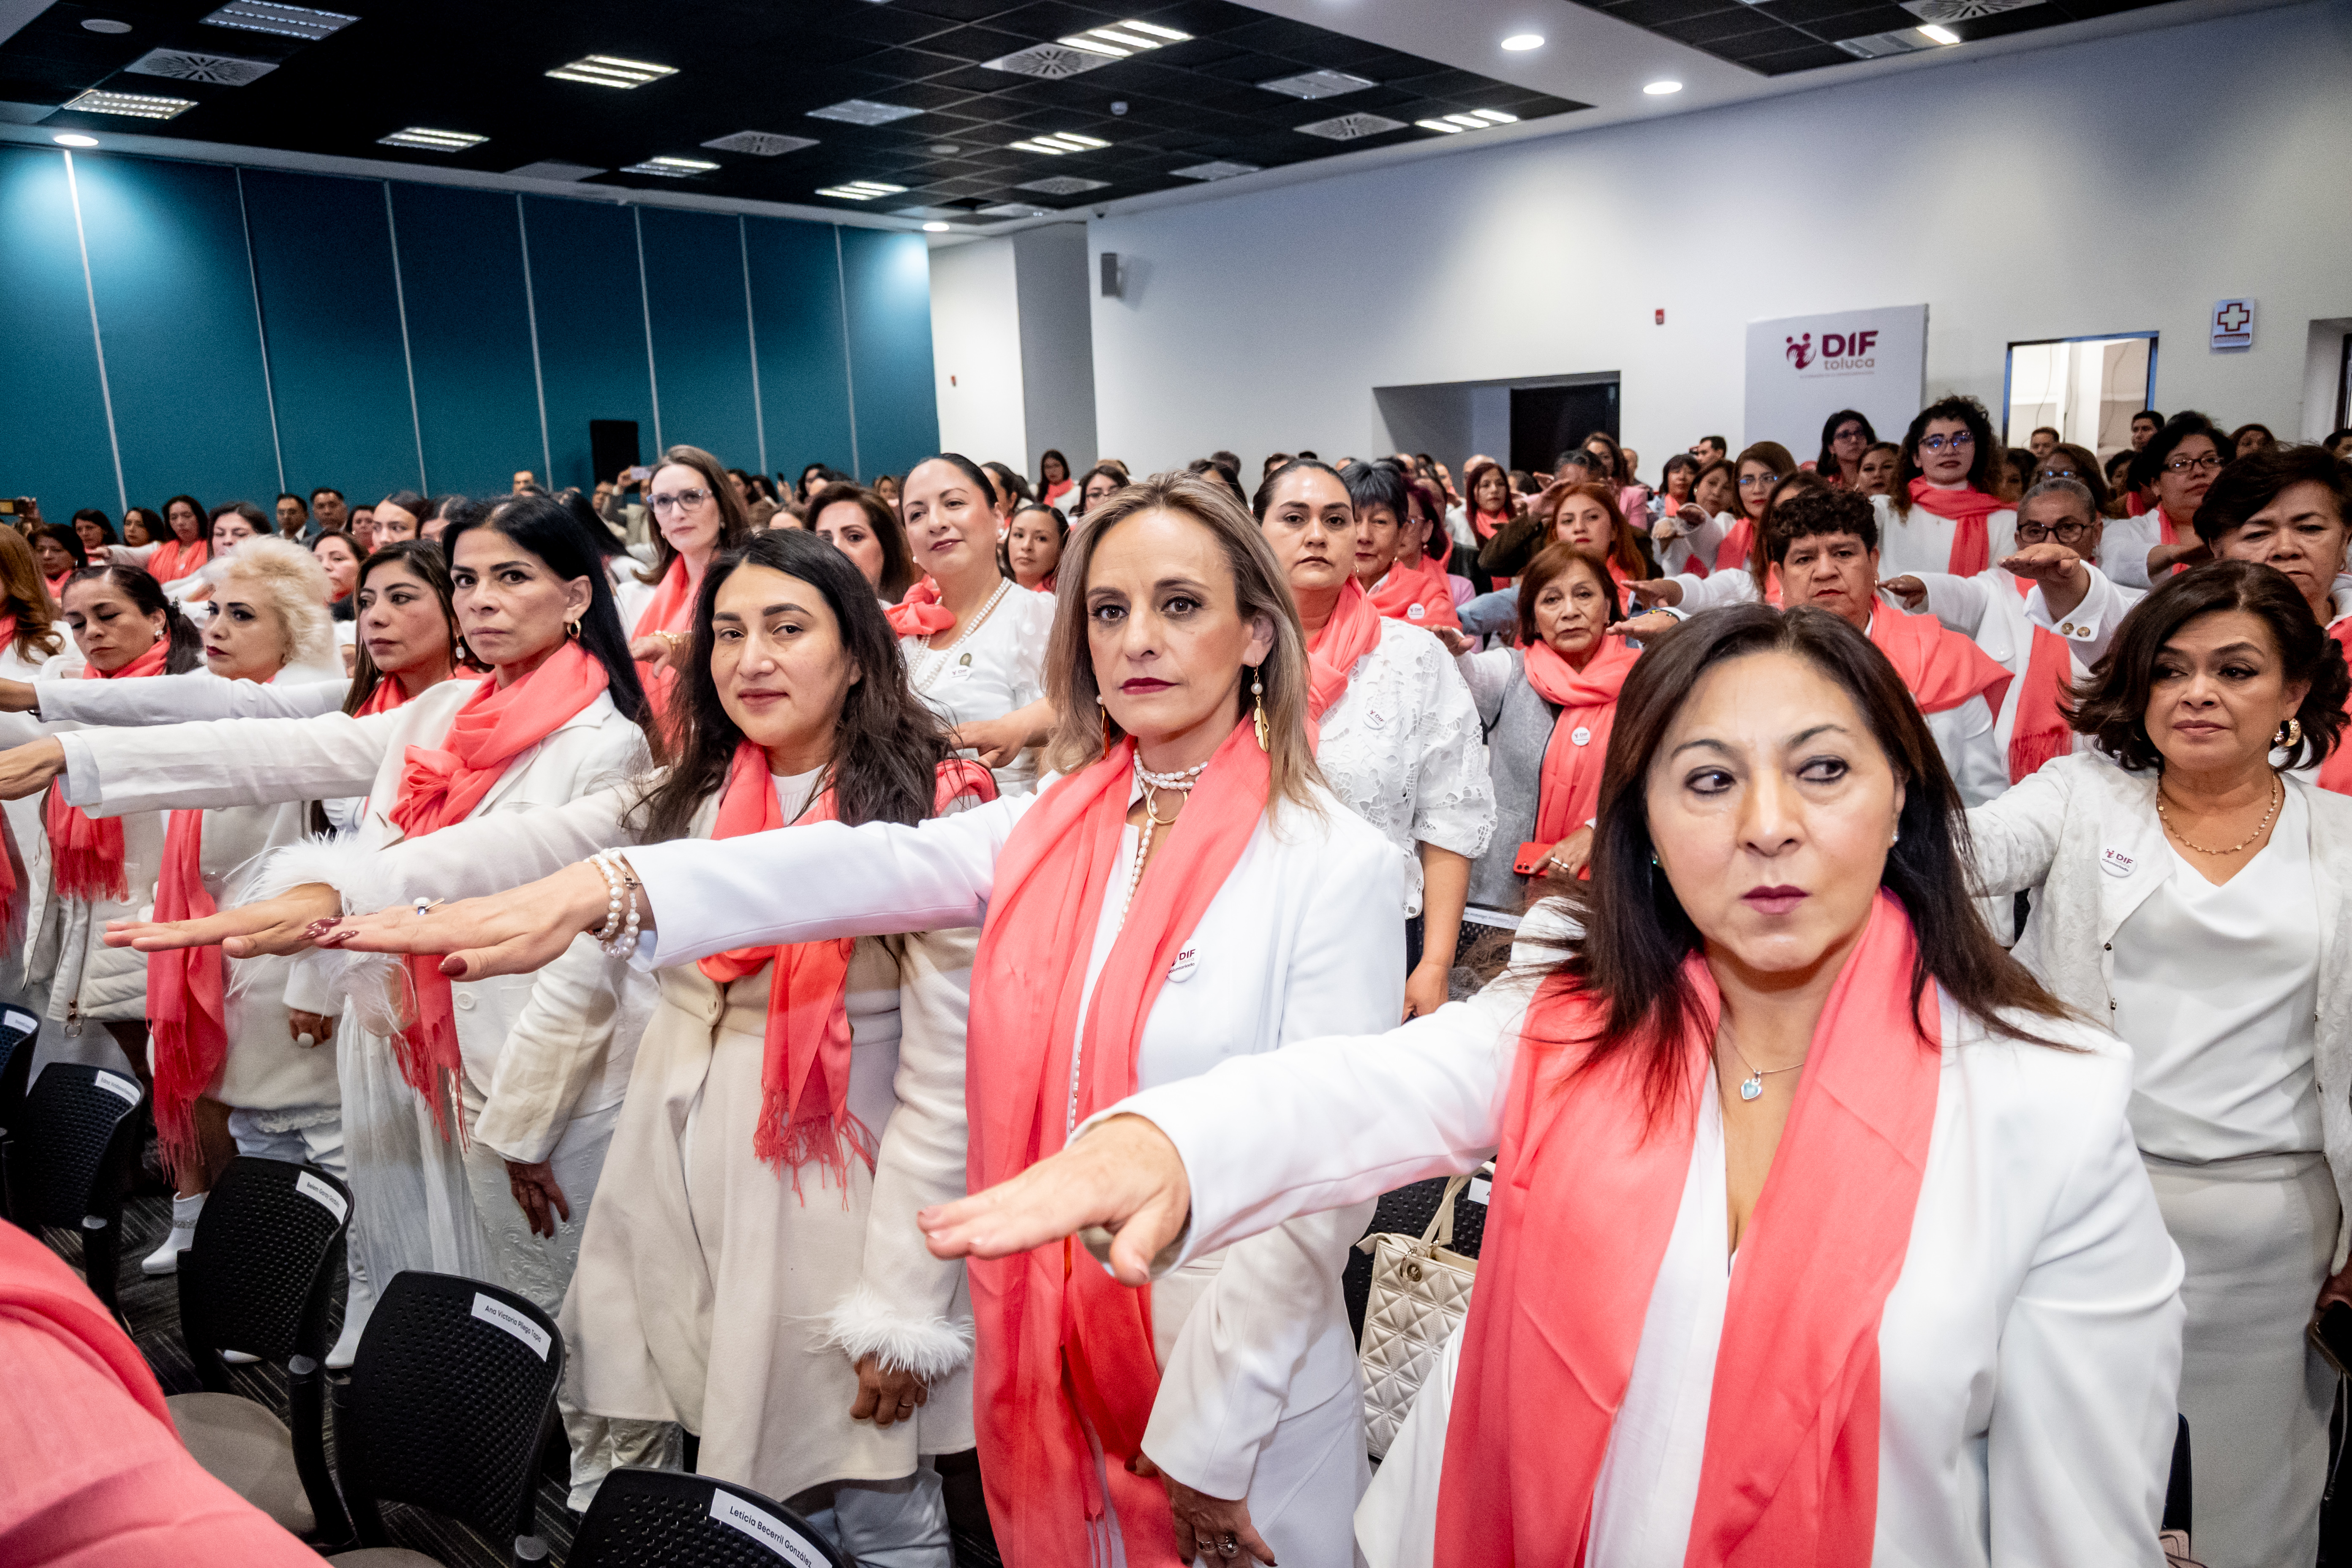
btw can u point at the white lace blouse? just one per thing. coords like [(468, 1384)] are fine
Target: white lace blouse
[(1405, 748)]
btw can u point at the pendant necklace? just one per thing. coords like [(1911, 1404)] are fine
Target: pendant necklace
[(1752, 1086), (1182, 783)]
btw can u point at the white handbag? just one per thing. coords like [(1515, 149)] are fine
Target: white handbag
[(1421, 1292)]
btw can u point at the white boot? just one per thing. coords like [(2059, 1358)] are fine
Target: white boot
[(165, 1259)]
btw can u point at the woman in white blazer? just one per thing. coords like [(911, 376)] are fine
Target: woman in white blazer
[(2195, 899), (1950, 1329), (1240, 1391)]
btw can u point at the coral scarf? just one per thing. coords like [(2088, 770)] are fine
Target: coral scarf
[(1739, 544), (86, 852), (187, 996), (2038, 731), (1942, 668), (671, 609), (1569, 788), (1584, 1201), (1353, 631), (805, 1073), (1971, 541), (2336, 772), (1486, 524), (919, 613), (443, 784), (1418, 595), (389, 694), (174, 560), (1063, 1347)]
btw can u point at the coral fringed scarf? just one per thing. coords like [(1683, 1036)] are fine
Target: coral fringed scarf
[(86, 851), (805, 1073), (919, 614), (1587, 1188), (1971, 550), (439, 785), (1418, 596), (2039, 731), (1941, 667), (188, 992), (1353, 631), (1063, 1347), (671, 609)]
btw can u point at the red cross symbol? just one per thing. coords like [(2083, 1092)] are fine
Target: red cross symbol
[(2234, 317)]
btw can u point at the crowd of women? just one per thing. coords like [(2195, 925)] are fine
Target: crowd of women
[(1883, 915)]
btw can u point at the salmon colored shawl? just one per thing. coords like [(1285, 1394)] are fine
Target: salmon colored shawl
[(85, 851)]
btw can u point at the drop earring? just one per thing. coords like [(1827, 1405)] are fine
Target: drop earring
[(1104, 709), (1257, 703)]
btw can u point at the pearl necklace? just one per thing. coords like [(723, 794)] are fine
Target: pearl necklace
[(2278, 798), (1182, 783), (934, 659)]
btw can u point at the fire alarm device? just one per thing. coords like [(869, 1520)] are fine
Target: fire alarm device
[(1662, 318)]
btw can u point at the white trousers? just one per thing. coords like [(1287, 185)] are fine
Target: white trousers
[(2256, 1234), (321, 1144), (884, 1524)]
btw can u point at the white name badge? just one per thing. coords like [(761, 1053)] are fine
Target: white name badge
[(2116, 863), (1481, 1189), (1415, 612), (1580, 735), (1186, 961), (765, 1528), (500, 1315), (115, 1083), (318, 1193)]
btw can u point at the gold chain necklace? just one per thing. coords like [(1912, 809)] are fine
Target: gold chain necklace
[(2278, 798)]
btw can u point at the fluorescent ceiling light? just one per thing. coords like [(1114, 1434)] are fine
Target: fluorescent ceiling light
[(104, 25), (1519, 41), (286, 21), (1058, 143), (1496, 117), (1121, 40), (138, 105), (612, 70), (1439, 125), (1659, 89), (1467, 121), (935, 228), (672, 168), (862, 190), (1036, 147), (1940, 34), (428, 141), (74, 139), (862, 111)]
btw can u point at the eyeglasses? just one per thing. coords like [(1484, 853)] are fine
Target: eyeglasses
[(2210, 462), (2056, 474), (2064, 532), (1746, 481), (684, 500), (1957, 441)]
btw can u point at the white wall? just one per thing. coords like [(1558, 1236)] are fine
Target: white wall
[(1058, 344), (976, 351), (2111, 186)]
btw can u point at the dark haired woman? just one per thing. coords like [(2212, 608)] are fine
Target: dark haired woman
[(1233, 1397), (1548, 706), (1392, 565), (1053, 479), (178, 554), (560, 712), (142, 526), (95, 529), (59, 552), (863, 525), (2174, 469), (1675, 481), (2198, 901), (2067, 461), (1725, 539), (1488, 506), (2245, 440), (1846, 436), (974, 640), (1807, 1246), (697, 510), (1880, 459), (1031, 548), (1102, 481), (1947, 511), (1632, 496)]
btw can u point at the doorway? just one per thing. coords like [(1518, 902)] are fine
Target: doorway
[(1548, 420), (2087, 389)]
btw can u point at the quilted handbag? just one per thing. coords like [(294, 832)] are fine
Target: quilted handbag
[(1421, 1291)]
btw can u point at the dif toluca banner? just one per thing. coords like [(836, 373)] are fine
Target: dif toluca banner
[(1802, 369)]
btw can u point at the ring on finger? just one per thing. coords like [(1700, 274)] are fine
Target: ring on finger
[(1229, 1545)]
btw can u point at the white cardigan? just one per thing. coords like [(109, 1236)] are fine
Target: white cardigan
[(2082, 834), (2029, 1350)]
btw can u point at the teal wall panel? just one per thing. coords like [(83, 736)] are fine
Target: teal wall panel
[(53, 444), (167, 260), (470, 335), (592, 326), (702, 348), (890, 310), (803, 369), (323, 250)]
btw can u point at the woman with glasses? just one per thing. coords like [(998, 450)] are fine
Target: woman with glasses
[(1946, 512), (2176, 468), (1846, 436), (697, 511), (1722, 558), (2067, 461)]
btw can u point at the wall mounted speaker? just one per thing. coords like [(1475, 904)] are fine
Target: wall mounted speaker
[(1110, 274)]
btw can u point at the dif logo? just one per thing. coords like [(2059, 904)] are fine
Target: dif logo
[(1838, 351)]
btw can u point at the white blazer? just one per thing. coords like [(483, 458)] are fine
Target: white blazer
[(1988, 609), (2082, 834), (2029, 1350)]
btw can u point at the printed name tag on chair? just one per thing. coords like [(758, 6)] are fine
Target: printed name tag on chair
[(505, 1317), (318, 1193), (115, 1083), (2114, 862), (765, 1528)]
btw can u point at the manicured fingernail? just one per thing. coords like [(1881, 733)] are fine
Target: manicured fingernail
[(317, 929)]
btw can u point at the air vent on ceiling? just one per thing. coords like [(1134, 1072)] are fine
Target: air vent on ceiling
[(1223, 169), (1062, 185), (760, 144), (1319, 84), (553, 169), (182, 64), (672, 168), (1015, 209), (1878, 46), (286, 21), (1051, 61), (137, 105), (1962, 10), (861, 111), (1351, 127)]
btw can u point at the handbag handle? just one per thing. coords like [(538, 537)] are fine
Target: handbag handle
[(1441, 1224)]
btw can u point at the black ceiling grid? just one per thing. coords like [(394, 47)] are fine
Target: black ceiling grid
[(1777, 37), (765, 66)]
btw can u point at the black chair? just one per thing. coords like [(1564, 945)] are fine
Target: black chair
[(68, 1162), (18, 1030), (1407, 1212), (2178, 1491), (260, 1279), (661, 1519), (449, 1399)]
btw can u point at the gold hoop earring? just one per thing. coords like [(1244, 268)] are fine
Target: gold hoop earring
[(1257, 702), (2289, 734), (572, 630)]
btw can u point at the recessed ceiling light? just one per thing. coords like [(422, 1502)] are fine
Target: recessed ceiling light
[(1121, 40), (1439, 125), (138, 105), (1036, 147), (935, 228), (426, 141), (862, 190), (1058, 143), (1519, 41), (1941, 35), (73, 139), (672, 168), (1015, 209), (1496, 117), (1659, 89), (612, 70), (101, 25), (1467, 121), (286, 21), (862, 111)]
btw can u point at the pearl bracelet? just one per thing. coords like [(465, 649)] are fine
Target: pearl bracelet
[(618, 935)]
